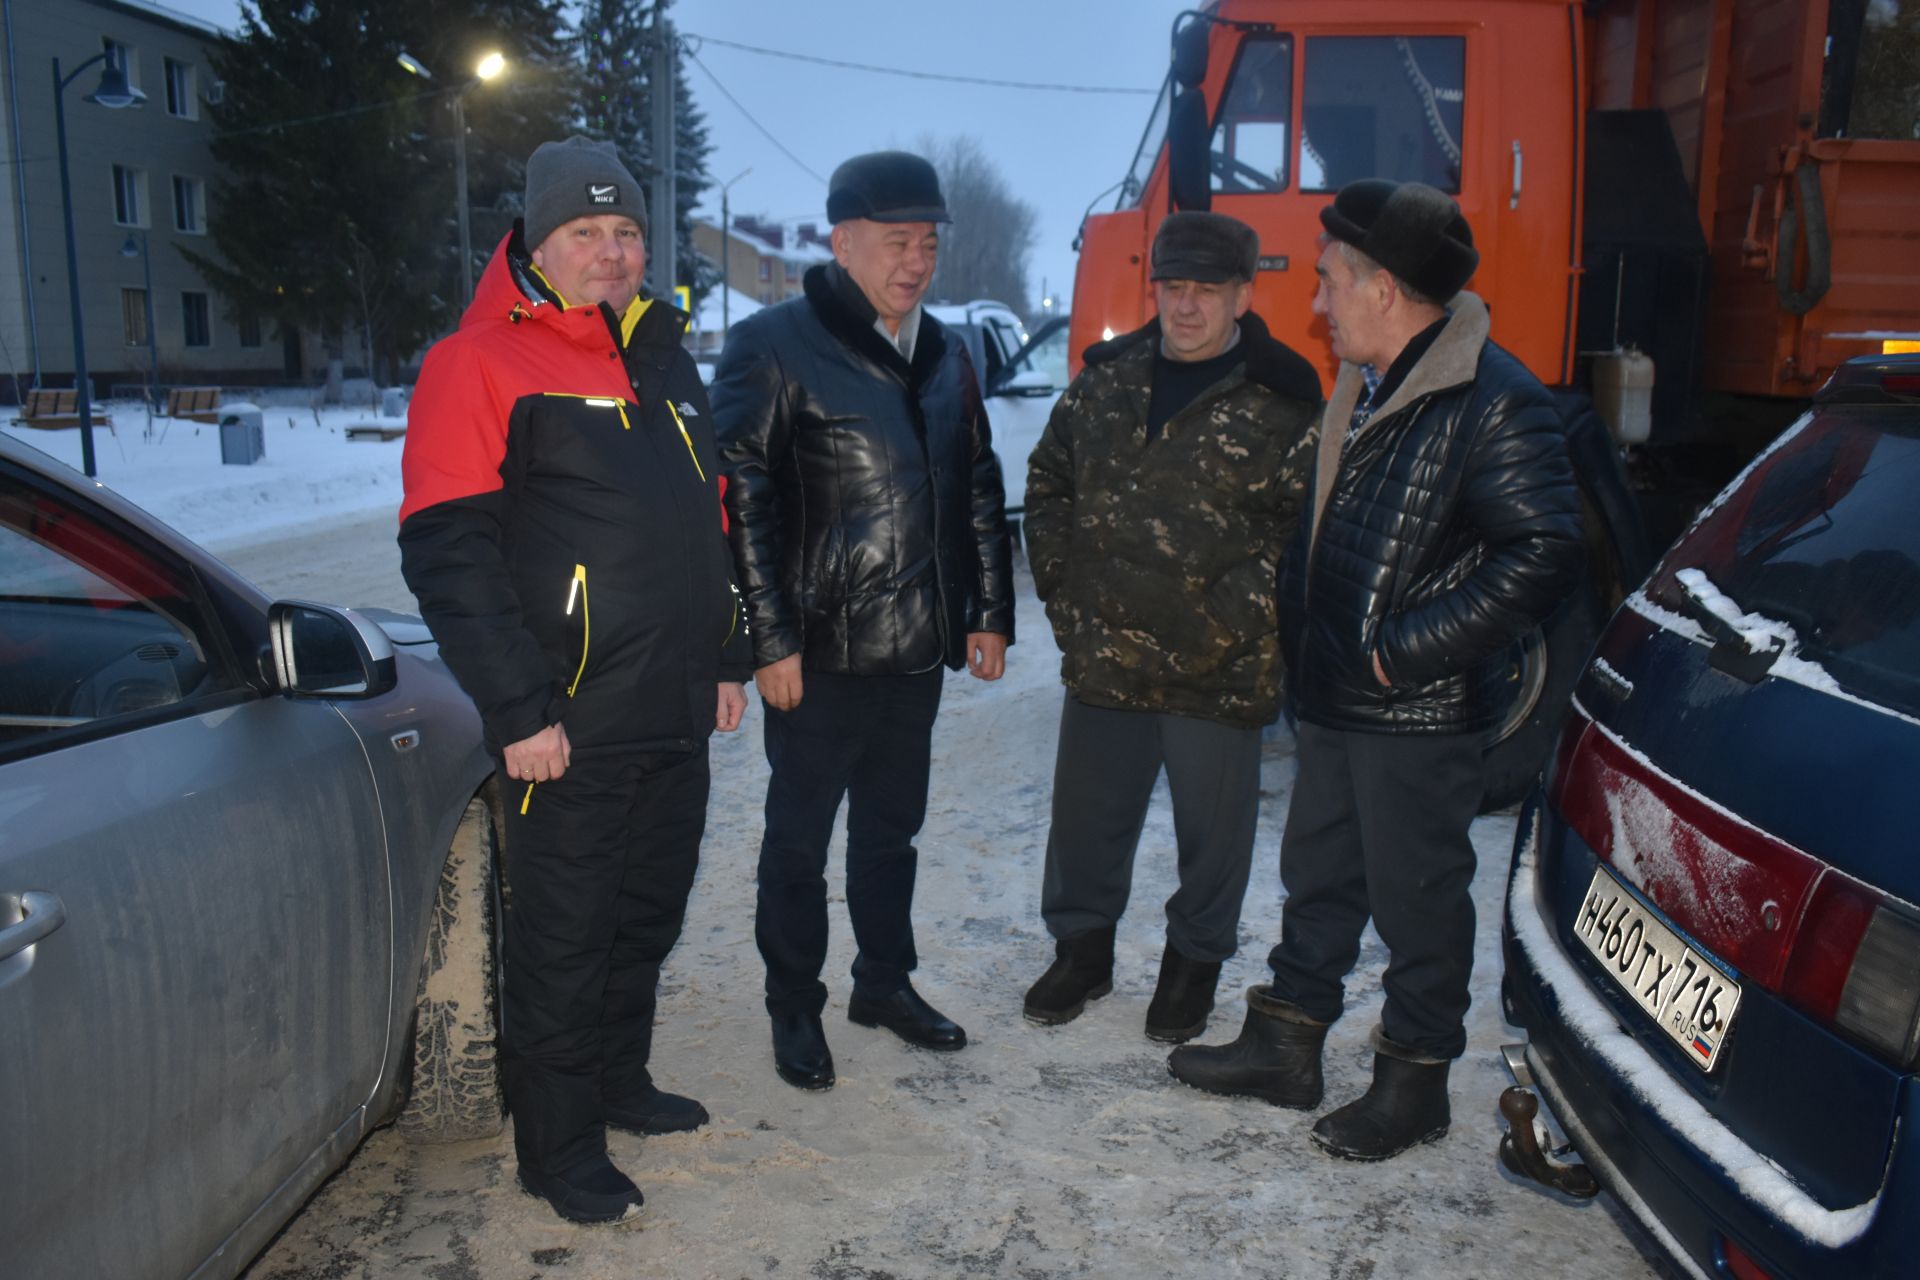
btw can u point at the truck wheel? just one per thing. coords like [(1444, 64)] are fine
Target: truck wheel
[(454, 1094), (1541, 673)]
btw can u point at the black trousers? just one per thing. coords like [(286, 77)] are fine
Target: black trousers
[(598, 870), (1103, 778), (1379, 826), (867, 739)]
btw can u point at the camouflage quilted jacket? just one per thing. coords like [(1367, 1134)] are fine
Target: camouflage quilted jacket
[(1156, 559)]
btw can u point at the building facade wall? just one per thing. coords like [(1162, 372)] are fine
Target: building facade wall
[(151, 144)]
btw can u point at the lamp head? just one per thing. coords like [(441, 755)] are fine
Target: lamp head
[(491, 65), (114, 90)]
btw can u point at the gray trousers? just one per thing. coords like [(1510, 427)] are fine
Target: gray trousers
[(1378, 827), (1103, 780)]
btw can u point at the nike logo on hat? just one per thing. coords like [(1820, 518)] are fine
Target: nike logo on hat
[(598, 193)]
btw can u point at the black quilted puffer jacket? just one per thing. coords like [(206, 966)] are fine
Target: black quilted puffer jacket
[(1448, 528), (866, 505)]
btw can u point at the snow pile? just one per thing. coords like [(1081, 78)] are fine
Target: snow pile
[(310, 472)]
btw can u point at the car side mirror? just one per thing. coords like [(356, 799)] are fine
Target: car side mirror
[(323, 652), (1189, 140)]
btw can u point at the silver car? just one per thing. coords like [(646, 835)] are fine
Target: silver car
[(246, 892)]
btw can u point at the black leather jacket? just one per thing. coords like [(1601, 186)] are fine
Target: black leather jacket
[(865, 503), (1447, 531)]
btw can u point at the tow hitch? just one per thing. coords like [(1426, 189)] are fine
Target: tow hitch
[(1520, 1147)]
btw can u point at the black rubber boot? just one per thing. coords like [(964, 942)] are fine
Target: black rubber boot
[(1082, 970), (1183, 998), (1276, 1058), (1405, 1106)]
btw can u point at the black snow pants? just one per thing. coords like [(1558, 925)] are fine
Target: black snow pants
[(597, 870)]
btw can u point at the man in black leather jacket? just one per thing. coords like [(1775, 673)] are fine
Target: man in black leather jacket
[(1445, 524), (868, 528)]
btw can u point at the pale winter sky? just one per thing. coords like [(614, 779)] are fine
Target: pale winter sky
[(1057, 150)]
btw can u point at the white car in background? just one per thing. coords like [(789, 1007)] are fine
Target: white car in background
[(1022, 375)]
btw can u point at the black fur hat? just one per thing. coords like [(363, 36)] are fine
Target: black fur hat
[(886, 186), (1413, 230), (1208, 247)]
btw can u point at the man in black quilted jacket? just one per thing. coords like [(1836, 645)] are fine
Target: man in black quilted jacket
[(868, 530), (1444, 525)]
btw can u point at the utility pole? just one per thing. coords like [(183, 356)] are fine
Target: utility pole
[(665, 232)]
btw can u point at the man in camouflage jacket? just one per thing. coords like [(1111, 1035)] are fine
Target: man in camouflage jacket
[(1168, 482)]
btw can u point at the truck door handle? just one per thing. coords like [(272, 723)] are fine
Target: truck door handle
[(44, 913), (1519, 165)]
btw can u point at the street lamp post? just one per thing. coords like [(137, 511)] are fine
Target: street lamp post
[(143, 249), (487, 69), (726, 243), (114, 92)]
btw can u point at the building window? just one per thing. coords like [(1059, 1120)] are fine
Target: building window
[(133, 316), (189, 205), (193, 319), (766, 270), (180, 96), (129, 196), (249, 328), (793, 272), (122, 56)]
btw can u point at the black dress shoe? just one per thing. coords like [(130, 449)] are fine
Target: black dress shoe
[(656, 1113), (595, 1194), (905, 1014), (800, 1052)]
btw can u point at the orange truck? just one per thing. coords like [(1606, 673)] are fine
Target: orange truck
[(1689, 213)]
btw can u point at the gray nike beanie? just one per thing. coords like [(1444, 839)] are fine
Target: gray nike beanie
[(578, 178)]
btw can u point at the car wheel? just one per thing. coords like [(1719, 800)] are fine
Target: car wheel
[(455, 1088), (1540, 674)]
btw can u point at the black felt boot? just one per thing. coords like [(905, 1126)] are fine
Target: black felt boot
[(1082, 970), (1276, 1058), (1183, 998), (1404, 1107)]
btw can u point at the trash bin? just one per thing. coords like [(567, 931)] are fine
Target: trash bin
[(393, 402), (242, 435)]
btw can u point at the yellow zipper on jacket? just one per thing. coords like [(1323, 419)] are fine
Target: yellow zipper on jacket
[(576, 589), (599, 402), (689, 439)]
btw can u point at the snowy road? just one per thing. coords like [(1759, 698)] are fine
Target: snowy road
[(1034, 1153)]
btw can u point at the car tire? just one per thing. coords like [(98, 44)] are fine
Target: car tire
[(454, 1093), (1542, 672)]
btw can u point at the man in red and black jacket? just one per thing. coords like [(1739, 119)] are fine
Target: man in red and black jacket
[(564, 535)]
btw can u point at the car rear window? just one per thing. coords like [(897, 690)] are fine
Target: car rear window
[(1823, 535)]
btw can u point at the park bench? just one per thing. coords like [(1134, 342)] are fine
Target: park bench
[(50, 410), (194, 404)]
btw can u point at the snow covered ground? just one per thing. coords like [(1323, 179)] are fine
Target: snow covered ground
[(1064, 1152)]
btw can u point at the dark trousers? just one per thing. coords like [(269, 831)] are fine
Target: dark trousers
[(1378, 826), (1103, 778), (598, 870), (867, 739)]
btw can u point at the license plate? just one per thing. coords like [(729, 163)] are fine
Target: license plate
[(1686, 995)]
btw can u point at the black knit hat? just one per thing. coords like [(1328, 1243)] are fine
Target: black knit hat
[(886, 186), (1208, 247), (578, 178), (1413, 230)]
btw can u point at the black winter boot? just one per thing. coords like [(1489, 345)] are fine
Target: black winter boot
[(1183, 998), (1082, 970), (1276, 1058), (1404, 1107)]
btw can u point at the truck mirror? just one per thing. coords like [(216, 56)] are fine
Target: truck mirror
[(1190, 53), (1188, 181)]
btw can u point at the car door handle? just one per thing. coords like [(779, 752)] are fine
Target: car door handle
[(44, 913)]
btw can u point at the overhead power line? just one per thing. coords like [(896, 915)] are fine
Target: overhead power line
[(691, 53), (916, 75)]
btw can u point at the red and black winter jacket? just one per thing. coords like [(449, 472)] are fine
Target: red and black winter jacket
[(562, 527)]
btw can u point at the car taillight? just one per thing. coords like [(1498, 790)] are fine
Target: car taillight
[(1835, 948), (1738, 891), (1740, 1264)]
